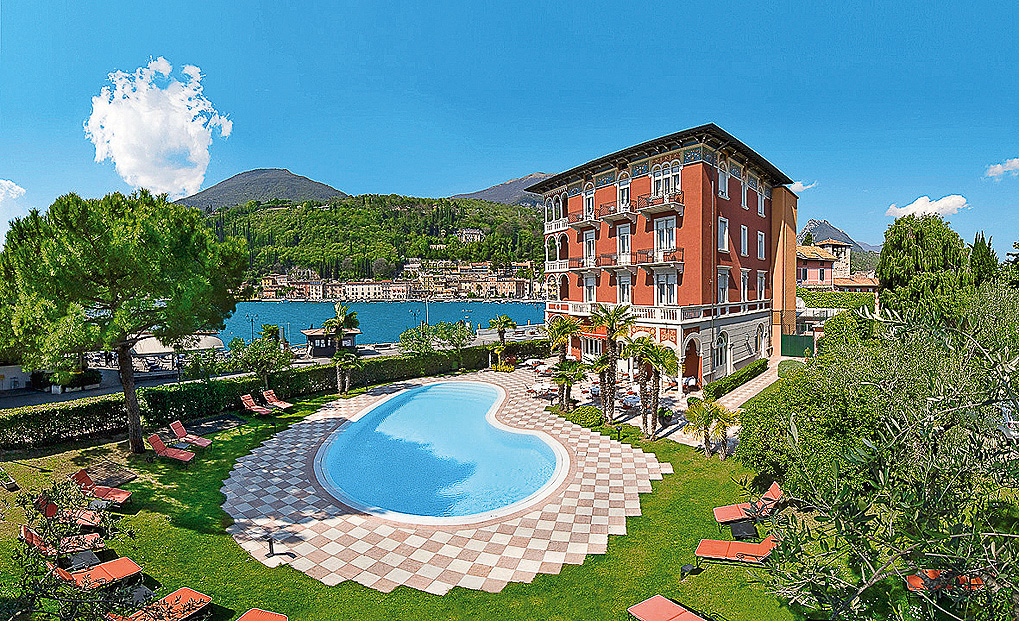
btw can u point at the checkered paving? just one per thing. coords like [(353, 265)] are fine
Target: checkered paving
[(274, 492)]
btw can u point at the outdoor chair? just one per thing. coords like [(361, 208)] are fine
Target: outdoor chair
[(735, 551), (182, 434), (182, 604), (66, 546), (251, 406), (257, 614), (659, 608), (741, 511), (271, 399), (112, 495), (928, 579), (170, 453), (81, 517), (103, 574)]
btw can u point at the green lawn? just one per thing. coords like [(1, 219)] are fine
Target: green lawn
[(179, 540)]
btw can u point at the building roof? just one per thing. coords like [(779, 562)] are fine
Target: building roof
[(703, 133), (322, 332), (856, 281), (814, 253), (832, 242)]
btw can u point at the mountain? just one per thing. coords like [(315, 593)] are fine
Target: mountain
[(822, 229), (263, 185), (511, 192)]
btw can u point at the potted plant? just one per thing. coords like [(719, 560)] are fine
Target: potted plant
[(7, 481)]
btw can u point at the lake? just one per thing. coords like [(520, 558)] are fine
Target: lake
[(381, 322)]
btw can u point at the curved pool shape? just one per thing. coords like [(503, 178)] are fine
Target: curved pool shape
[(436, 453)]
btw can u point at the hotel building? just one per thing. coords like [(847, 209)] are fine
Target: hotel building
[(694, 230)]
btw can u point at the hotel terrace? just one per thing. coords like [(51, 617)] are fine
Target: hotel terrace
[(694, 230)]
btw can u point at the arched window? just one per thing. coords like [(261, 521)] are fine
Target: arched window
[(720, 354), (589, 200), (549, 211), (759, 341), (557, 208), (677, 170), (551, 249), (657, 187), (723, 178)]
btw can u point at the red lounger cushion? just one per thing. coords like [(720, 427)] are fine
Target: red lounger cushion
[(182, 434), (659, 608), (102, 574), (82, 517), (164, 451), (177, 606), (916, 583), (112, 494), (732, 513), (736, 550), (68, 545), (257, 614)]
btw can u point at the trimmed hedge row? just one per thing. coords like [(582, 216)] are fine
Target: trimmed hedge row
[(717, 388), (105, 415), (836, 299)]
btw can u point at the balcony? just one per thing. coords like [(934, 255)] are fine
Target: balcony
[(577, 309), (556, 226), (660, 258), (584, 264), (617, 211), (668, 315), (618, 261), (557, 266), (649, 205), (583, 220)]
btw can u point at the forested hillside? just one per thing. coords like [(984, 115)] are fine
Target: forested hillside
[(370, 235)]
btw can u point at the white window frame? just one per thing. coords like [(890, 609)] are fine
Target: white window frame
[(589, 202), (760, 245), (722, 288), (590, 288), (667, 223), (743, 192), (670, 281), (593, 247), (723, 179), (744, 285), (720, 352), (677, 176), (624, 289), (623, 192), (623, 233), (723, 234), (743, 232), (760, 200), (820, 274), (762, 284)]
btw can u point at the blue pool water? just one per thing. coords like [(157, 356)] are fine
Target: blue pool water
[(430, 451)]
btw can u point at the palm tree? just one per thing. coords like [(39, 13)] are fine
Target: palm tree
[(617, 322), (600, 365), (725, 419), (641, 349), (560, 332), (710, 419), (346, 363), (501, 324), (661, 359), (566, 375), (337, 326)]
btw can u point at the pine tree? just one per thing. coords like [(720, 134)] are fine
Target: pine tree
[(983, 262)]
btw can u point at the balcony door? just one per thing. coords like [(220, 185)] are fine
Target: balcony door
[(623, 243), (590, 286), (665, 289), (589, 247), (665, 236)]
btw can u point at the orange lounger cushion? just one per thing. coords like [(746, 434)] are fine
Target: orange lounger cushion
[(257, 614), (658, 608), (82, 517), (68, 545), (916, 582), (112, 494), (733, 513), (182, 434), (164, 451), (736, 550), (177, 606), (102, 574)]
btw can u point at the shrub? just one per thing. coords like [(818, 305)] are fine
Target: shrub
[(836, 299), (728, 383), (50, 423), (503, 368), (585, 416), (788, 367)]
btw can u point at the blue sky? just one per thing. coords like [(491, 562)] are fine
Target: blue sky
[(877, 106)]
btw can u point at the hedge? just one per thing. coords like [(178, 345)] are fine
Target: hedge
[(105, 415), (788, 367), (717, 388), (585, 415), (836, 299)]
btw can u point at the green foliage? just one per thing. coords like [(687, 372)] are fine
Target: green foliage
[(561, 331), (73, 379), (922, 268), (202, 365), (503, 367), (455, 335), (418, 340), (835, 299), (727, 384), (585, 416), (983, 262), (501, 324), (263, 356), (366, 236), (808, 239), (711, 421), (863, 261), (788, 367), (845, 327)]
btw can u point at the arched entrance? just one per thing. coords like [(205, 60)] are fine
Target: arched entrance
[(692, 366)]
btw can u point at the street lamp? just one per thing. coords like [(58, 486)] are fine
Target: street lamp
[(252, 318)]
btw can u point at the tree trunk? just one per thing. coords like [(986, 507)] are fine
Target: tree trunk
[(642, 387), (608, 391), (707, 442), (134, 414), (347, 379), (339, 379), (567, 390), (656, 386)]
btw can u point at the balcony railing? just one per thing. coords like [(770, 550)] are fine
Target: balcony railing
[(583, 219), (557, 266), (617, 259), (650, 204), (583, 263), (666, 314), (617, 210), (656, 256), (556, 226)]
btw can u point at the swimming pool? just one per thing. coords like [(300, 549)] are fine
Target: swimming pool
[(437, 454)]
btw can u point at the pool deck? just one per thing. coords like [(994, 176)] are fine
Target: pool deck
[(274, 491)]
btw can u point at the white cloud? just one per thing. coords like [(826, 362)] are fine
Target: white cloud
[(945, 206), (9, 208), (1008, 166), (799, 186), (156, 128)]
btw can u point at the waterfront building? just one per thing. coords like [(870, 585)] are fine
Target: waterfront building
[(694, 230), (814, 267), (322, 345)]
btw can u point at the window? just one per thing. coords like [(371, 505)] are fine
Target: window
[(803, 274), (665, 233), (590, 285), (743, 240), (590, 348), (723, 235), (743, 191), (762, 283), (589, 244), (589, 202), (623, 242), (623, 290), (720, 354), (744, 289), (723, 286), (759, 340), (820, 274), (760, 245), (723, 180), (665, 288), (760, 200), (624, 193)]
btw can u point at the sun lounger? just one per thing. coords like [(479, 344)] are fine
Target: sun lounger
[(257, 614), (81, 517), (930, 580), (270, 398), (103, 574), (251, 406), (659, 608), (170, 453), (182, 604), (733, 513), (67, 545), (114, 495), (182, 434), (735, 551)]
